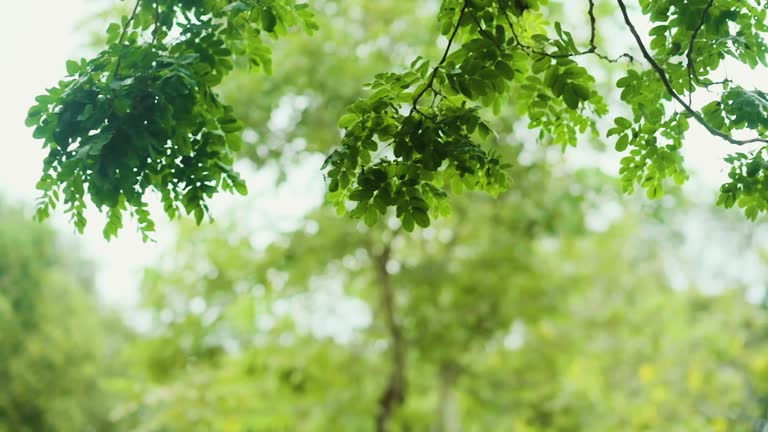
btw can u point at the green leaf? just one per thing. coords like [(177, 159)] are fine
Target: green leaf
[(483, 130), (360, 195), (420, 217), (73, 67), (40, 132), (371, 216), (199, 213), (465, 88), (505, 70), (655, 192), (347, 120), (751, 212), (625, 81), (582, 92), (268, 20), (97, 142), (622, 143), (559, 85), (570, 98), (231, 127), (541, 64), (241, 188), (113, 33), (407, 222), (551, 76), (623, 123)]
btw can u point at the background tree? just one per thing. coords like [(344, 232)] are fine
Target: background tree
[(572, 332), (52, 342)]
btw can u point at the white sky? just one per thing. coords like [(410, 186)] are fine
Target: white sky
[(38, 36)]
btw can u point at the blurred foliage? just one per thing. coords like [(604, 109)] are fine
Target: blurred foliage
[(521, 332), (530, 312), (52, 347), (510, 323)]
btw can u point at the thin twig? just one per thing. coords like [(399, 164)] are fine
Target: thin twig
[(156, 30), (125, 32), (668, 86), (445, 98), (592, 46), (128, 22), (689, 55), (433, 75), (592, 26)]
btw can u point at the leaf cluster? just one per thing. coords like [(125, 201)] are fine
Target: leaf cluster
[(143, 114), (422, 131)]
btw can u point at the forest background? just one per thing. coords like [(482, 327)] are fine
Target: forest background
[(561, 305)]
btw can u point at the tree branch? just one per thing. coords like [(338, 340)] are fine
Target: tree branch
[(433, 75), (592, 26), (668, 86), (592, 46)]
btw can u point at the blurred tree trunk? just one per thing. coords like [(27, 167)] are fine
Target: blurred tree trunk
[(393, 395), (447, 413)]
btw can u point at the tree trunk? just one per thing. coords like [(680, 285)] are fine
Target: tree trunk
[(393, 395), (447, 413)]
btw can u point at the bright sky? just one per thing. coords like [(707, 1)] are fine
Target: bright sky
[(36, 39)]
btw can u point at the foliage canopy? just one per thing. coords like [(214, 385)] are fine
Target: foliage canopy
[(144, 115)]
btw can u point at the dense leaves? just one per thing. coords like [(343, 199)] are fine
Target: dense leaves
[(143, 115), (422, 130), (509, 50), (690, 41)]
